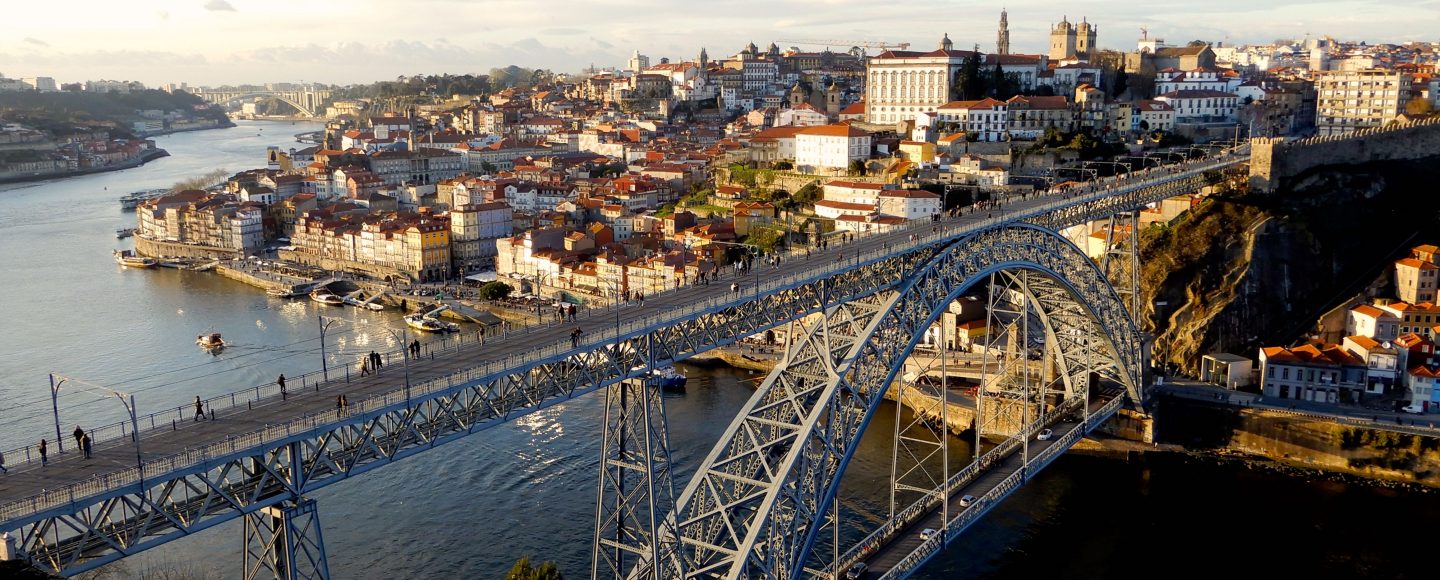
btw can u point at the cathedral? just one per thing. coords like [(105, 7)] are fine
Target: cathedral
[(1071, 41)]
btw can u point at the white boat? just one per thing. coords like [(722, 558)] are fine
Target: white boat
[(283, 293), (129, 259), (358, 303), (422, 323), (210, 341), (326, 297), (129, 202), (123, 233)]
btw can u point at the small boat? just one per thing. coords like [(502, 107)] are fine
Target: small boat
[(123, 233), (210, 341), (326, 297), (670, 379), (129, 259), (283, 293), (129, 202), (424, 324), (358, 303)]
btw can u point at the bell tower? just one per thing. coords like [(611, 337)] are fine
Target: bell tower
[(1002, 40)]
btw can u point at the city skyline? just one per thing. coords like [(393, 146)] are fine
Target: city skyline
[(214, 42)]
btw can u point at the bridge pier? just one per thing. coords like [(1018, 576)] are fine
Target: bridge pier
[(283, 542)]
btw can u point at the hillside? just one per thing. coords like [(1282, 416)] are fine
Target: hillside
[(65, 113), (1244, 270)]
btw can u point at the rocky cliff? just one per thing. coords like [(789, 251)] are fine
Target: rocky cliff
[(1243, 270)]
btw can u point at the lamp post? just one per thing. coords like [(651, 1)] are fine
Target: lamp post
[(126, 399), (324, 360), (403, 338)]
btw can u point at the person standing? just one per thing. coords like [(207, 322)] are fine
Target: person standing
[(364, 366), (78, 433), (44, 458), (2, 463), (415, 348), (280, 381), (199, 409), (340, 405), (85, 445)]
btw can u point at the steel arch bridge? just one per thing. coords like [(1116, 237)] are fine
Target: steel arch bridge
[(306, 101), (758, 502)]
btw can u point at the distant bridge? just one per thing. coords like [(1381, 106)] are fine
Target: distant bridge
[(306, 100)]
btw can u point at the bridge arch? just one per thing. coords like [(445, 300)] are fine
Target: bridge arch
[(307, 111), (760, 497)]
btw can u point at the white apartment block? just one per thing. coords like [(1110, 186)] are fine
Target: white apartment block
[(830, 146), (902, 84), (1350, 100)]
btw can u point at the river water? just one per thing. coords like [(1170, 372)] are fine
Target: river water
[(471, 508)]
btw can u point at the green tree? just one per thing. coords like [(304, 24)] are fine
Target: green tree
[(523, 570), (488, 167), (766, 238), (857, 166), (1002, 86), (783, 165), (497, 290), (970, 81), (808, 194)]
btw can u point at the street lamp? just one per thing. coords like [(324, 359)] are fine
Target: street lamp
[(324, 362), (126, 399), (403, 337)]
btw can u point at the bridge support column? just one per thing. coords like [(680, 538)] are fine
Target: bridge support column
[(283, 542), (636, 489)]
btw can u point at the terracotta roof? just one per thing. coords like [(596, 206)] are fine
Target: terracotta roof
[(1413, 263), (844, 205), (833, 131), (854, 184)]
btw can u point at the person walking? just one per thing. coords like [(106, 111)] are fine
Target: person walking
[(575, 338), (2, 463), (415, 348), (85, 445), (340, 405), (365, 366), (199, 409), (281, 381), (482, 334), (78, 433), (44, 458)]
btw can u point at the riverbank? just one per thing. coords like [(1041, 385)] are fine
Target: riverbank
[(144, 158)]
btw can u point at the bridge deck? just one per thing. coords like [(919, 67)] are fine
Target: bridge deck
[(27, 477), (907, 540)]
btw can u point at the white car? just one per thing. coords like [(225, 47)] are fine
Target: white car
[(928, 533), (1413, 409), (966, 500), (1044, 434)]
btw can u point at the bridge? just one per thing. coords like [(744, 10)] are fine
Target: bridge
[(762, 504), (306, 100)]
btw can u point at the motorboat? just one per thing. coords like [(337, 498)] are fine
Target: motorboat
[(123, 233), (284, 293), (670, 379), (131, 201), (129, 259), (358, 303), (326, 297), (425, 324), (210, 341)]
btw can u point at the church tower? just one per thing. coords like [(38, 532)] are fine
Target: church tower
[(1002, 42), (797, 95), (945, 43), (704, 58), (832, 100), (1085, 39), (1062, 40)]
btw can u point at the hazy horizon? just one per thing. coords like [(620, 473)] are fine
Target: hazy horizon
[(216, 42)]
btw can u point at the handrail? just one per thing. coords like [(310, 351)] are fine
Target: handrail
[(939, 232)]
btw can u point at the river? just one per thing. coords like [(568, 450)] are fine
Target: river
[(471, 508)]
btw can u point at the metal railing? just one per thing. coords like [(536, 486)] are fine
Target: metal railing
[(105, 483)]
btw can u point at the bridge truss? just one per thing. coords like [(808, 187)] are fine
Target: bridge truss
[(771, 477)]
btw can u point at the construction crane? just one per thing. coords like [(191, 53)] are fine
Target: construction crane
[(877, 44)]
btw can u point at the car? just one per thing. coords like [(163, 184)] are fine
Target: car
[(1413, 409), (856, 571), (966, 500), (928, 533), (1044, 434)]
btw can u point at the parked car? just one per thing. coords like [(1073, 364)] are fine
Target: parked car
[(1045, 435), (966, 500), (856, 571), (1413, 409), (928, 533)]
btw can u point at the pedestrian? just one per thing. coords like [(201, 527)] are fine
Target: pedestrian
[(575, 338), (44, 458), (281, 381), (482, 334), (344, 404), (78, 433), (85, 445), (735, 287), (415, 348), (340, 405), (640, 298), (364, 366), (2, 463), (199, 409), (572, 309)]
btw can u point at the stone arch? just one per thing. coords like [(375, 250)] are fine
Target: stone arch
[(757, 503)]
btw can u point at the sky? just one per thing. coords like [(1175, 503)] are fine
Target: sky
[(215, 42)]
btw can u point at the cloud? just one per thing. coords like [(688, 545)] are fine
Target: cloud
[(219, 6), (35, 41)]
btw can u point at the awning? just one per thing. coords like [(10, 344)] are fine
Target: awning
[(482, 277)]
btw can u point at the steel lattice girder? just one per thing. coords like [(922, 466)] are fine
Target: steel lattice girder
[(754, 507), (94, 530)]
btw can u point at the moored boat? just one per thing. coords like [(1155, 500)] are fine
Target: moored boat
[(211, 341), (123, 233), (425, 324), (326, 297), (129, 202), (284, 293), (129, 259)]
